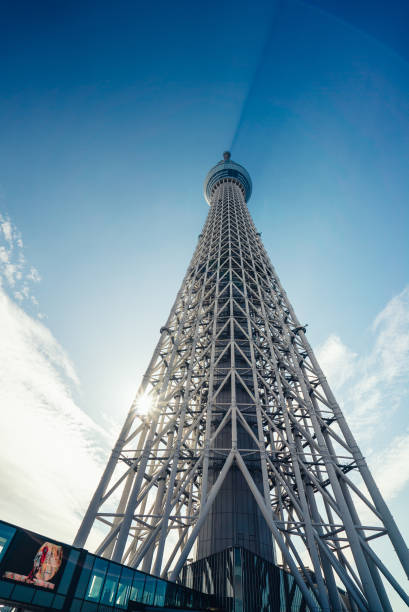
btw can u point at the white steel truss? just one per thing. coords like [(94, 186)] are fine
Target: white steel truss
[(232, 333)]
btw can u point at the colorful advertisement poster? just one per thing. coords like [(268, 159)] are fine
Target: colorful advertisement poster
[(34, 561)]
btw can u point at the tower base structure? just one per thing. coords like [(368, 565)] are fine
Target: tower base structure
[(245, 582)]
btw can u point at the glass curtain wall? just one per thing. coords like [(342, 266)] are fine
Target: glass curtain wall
[(245, 582)]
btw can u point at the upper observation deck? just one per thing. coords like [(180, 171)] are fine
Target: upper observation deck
[(226, 168)]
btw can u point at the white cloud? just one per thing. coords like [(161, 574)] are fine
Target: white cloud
[(7, 229), (373, 387), (391, 469), (4, 255), (337, 360), (13, 265), (392, 344), (51, 453), (34, 275)]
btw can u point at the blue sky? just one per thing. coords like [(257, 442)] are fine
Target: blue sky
[(111, 115)]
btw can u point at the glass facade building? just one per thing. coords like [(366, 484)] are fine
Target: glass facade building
[(82, 582), (245, 582)]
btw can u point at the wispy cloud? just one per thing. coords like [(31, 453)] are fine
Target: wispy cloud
[(15, 274), (373, 389), (51, 452), (391, 466), (338, 361)]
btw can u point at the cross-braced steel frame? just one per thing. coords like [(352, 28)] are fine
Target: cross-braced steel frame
[(233, 333)]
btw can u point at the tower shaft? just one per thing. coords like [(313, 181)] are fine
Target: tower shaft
[(244, 444), (234, 519)]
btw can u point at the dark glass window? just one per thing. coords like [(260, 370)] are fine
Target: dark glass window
[(188, 599), (84, 577), (238, 586), (68, 572), (76, 605), (6, 535), (170, 594), (23, 593), (89, 606), (180, 596), (96, 580), (124, 588), (283, 605), (106, 608), (160, 594), (149, 592), (5, 588), (41, 598), (111, 583), (137, 586), (229, 576), (59, 601)]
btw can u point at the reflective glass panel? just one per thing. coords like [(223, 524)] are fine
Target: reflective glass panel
[(149, 592), (106, 608), (6, 535), (89, 606), (137, 586), (5, 588), (96, 580), (124, 587), (41, 598), (23, 593), (68, 572), (238, 587), (160, 593), (84, 577), (59, 601), (111, 583), (180, 596), (170, 594)]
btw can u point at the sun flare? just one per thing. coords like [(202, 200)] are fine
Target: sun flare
[(144, 404)]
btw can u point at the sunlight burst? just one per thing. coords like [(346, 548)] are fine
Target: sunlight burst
[(144, 404)]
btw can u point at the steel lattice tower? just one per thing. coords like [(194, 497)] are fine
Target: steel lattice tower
[(244, 444)]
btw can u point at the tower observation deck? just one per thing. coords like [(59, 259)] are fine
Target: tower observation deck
[(235, 456), (227, 170)]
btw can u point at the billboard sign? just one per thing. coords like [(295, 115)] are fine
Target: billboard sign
[(34, 560)]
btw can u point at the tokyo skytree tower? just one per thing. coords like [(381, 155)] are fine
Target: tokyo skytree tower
[(235, 439)]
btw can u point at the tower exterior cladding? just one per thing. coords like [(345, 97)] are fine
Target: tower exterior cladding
[(235, 457)]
